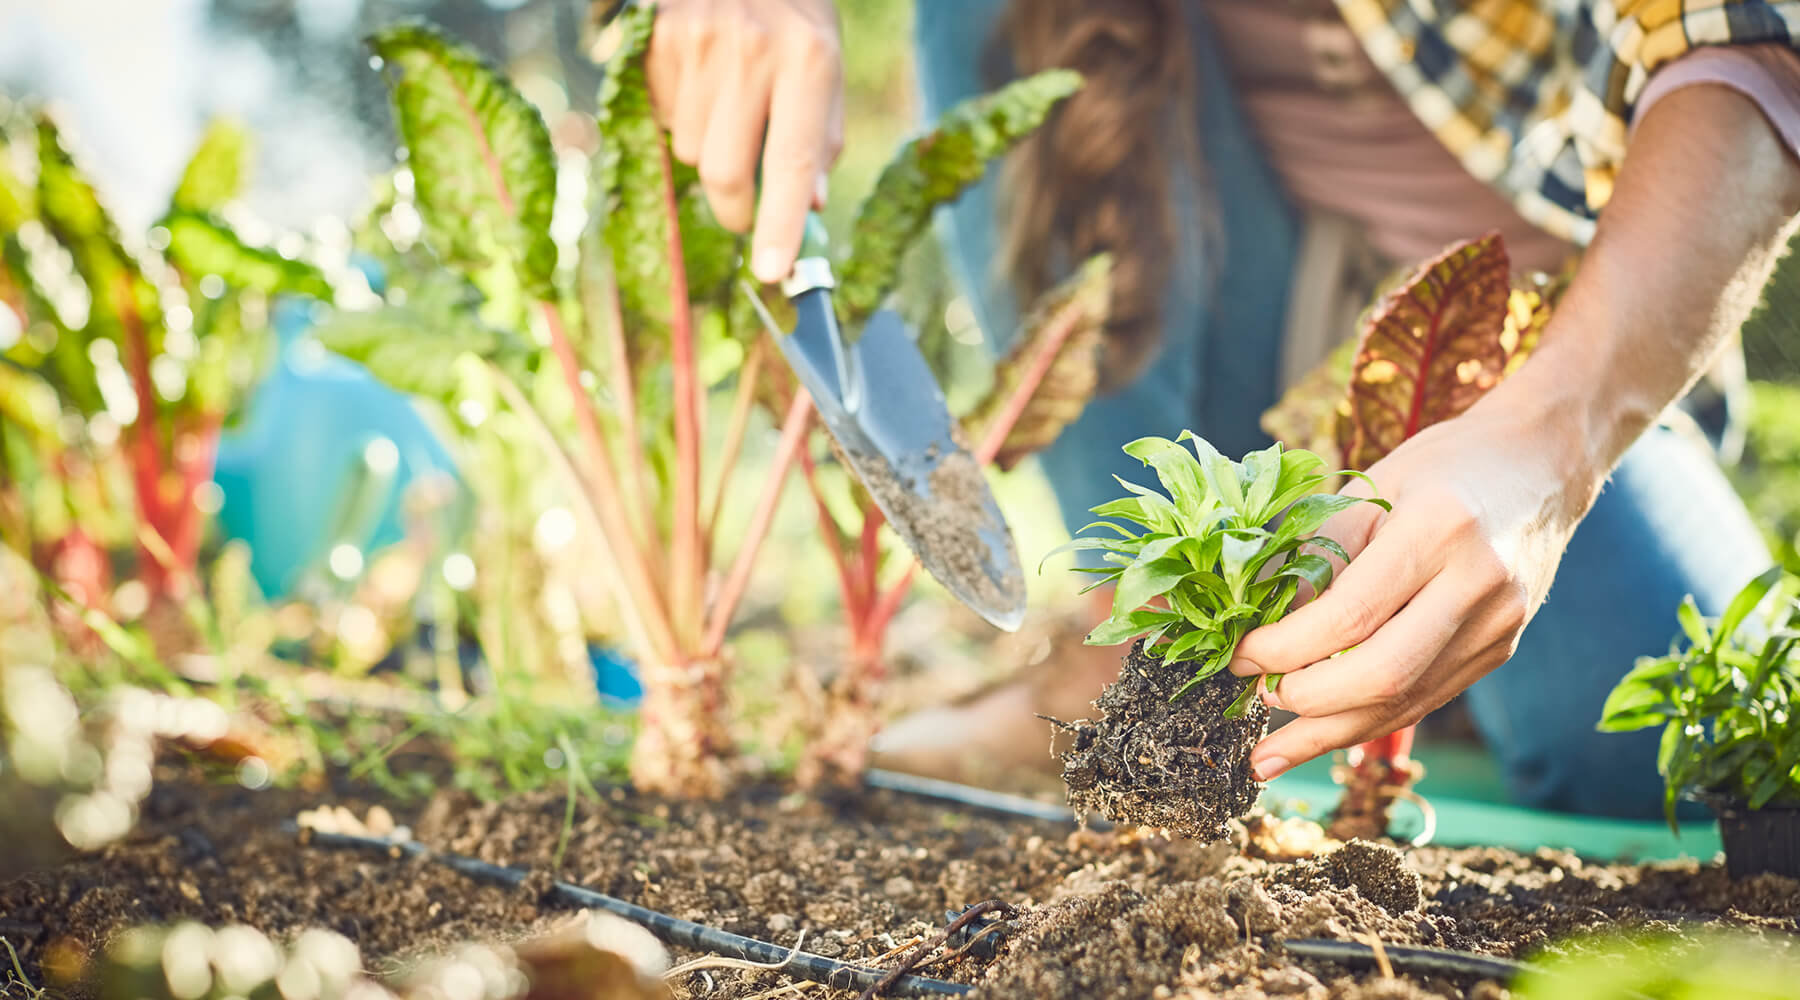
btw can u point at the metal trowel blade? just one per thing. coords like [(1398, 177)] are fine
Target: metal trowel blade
[(881, 402)]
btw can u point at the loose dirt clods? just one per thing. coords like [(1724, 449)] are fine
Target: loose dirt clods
[(1102, 914), (1179, 766)]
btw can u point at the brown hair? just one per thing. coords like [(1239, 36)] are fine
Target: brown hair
[(1098, 176)]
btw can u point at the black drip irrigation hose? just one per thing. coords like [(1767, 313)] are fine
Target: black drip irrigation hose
[(977, 798), (671, 930), (1404, 958)]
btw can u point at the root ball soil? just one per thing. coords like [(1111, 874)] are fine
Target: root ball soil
[(1118, 914), (1177, 765)]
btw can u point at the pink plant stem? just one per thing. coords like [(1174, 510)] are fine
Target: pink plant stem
[(687, 556), (748, 376), (634, 577), (994, 439), (855, 599), (793, 435), (632, 479)]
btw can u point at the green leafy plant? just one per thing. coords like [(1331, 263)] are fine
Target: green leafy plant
[(1726, 702), (609, 354), (1696, 963), (1212, 561), (129, 357)]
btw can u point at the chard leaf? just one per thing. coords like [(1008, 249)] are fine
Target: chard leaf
[(215, 173), (202, 245), (930, 171), (416, 348), (637, 184), (1054, 360), (124, 306), (1430, 348), (483, 170)]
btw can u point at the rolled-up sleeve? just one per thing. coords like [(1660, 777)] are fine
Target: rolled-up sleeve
[(1767, 73)]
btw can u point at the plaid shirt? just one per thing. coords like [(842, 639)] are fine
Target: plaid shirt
[(1534, 96)]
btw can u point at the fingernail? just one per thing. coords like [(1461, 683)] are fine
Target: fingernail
[(1273, 700), (1242, 667), (768, 265), (1269, 767), (821, 188)]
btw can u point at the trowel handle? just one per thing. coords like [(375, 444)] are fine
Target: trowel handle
[(812, 271)]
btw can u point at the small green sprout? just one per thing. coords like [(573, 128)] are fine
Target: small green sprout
[(1212, 550)]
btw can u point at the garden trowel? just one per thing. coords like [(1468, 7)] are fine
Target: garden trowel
[(881, 402)]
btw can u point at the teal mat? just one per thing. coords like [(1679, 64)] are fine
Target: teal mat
[(1465, 789)]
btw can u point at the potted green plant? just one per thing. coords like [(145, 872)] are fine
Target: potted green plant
[(1730, 737), (1172, 745)]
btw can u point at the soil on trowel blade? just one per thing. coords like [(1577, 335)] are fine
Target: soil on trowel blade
[(1175, 765)]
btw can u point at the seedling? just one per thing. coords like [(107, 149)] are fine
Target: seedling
[(1726, 702), (1225, 547)]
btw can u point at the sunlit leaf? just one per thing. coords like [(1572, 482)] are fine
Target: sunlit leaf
[(484, 174), (636, 184), (1054, 360), (1430, 349), (202, 245), (216, 172), (415, 347), (931, 171)]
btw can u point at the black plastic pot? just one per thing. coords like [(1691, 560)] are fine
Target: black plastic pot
[(1759, 840)]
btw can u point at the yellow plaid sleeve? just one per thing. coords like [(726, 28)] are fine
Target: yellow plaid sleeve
[(1534, 96)]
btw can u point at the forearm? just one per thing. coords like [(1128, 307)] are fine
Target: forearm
[(1699, 213)]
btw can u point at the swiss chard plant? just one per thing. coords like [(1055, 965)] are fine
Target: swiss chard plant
[(1222, 549), (129, 355), (1429, 347), (625, 350), (1726, 701)]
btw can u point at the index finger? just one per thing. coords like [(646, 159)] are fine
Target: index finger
[(1377, 584), (794, 154)]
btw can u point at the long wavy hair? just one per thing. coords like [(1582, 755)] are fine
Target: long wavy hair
[(1099, 176)]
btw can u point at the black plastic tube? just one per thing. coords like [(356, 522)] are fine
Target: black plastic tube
[(671, 930), (1404, 958), (977, 798)]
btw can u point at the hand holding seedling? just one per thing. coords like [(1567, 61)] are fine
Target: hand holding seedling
[(743, 83), (1436, 593), (1484, 503)]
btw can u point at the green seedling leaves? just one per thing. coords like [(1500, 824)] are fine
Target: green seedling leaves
[(1207, 553), (483, 170), (124, 305), (1726, 701), (1058, 346), (201, 245), (215, 174), (930, 171)]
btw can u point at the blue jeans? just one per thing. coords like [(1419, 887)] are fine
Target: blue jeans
[(1668, 524)]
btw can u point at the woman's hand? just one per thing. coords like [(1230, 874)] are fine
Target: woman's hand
[(724, 72), (1437, 591), (1484, 504)]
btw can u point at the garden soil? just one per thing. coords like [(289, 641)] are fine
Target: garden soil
[(1103, 914), (1153, 760)]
